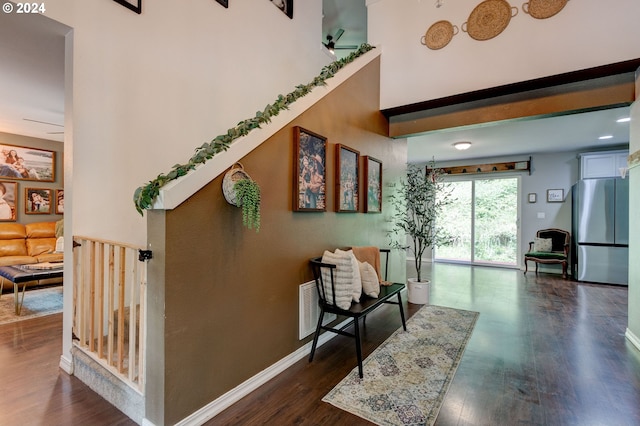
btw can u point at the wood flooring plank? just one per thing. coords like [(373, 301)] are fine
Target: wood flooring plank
[(545, 351)]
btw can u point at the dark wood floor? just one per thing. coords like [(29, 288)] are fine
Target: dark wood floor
[(545, 351)]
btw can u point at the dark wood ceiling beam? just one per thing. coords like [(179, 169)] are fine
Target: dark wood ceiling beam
[(586, 90)]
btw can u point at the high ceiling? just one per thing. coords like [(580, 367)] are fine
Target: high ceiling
[(32, 75), (32, 96)]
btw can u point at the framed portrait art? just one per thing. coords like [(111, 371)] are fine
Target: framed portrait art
[(59, 201), (285, 6), (21, 162), (309, 171), (37, 201), (373, 176), (8, 201), (347, 179)]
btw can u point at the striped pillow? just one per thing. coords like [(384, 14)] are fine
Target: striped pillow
[(343, 279), (356, 285)]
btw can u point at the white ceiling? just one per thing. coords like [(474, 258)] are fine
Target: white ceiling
[(32, 76), (575, 132)]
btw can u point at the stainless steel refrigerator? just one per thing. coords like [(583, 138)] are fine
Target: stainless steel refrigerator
[(600, 230)]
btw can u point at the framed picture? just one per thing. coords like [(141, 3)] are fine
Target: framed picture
[(284, 5), (532, 197), (225, 3), (373, 175), (20, 162), (37, 201), (347, 179), (309, 171), (59, 201), (135, 5), (8, 201), (555, 195)]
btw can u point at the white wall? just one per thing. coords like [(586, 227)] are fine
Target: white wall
[(586, 33), (148, 89)]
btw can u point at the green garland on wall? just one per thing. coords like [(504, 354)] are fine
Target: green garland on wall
[(144, 196)]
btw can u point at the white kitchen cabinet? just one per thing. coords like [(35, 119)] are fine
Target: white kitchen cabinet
[(602, 164)]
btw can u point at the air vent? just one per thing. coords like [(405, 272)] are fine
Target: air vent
[(309, 310)]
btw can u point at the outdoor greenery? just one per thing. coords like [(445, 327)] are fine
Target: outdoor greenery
[(495, 225), (248, 196), (418, 204), (144, 196)]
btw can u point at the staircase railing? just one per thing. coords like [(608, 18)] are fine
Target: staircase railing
[(109, 306)]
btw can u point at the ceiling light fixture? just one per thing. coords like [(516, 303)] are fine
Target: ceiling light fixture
[(623, 120), (461, 146), (330, 44), (606, 137)]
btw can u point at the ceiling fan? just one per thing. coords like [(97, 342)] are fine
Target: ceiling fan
[(333, 39)]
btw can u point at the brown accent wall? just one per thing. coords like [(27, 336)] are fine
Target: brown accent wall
[(230, 295)]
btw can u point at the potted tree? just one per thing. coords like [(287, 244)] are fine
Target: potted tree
[(417, 203)]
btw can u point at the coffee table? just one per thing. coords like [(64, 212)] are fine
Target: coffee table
[(22, 274)]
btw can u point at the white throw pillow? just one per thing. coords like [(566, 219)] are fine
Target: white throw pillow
[(370, 283), (343, 279), (542, 244), (357, 282)]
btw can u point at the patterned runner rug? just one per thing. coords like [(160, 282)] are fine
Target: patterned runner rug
[(407, 377), (37, 303)]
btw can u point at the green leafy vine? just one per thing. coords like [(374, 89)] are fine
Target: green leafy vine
[(248, 196), (144, 196)]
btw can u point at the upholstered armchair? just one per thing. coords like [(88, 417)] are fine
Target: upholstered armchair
[(549, 246)]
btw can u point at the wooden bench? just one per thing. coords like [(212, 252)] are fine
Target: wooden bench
[(356, 311)]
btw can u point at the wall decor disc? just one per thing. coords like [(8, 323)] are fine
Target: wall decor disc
[(542, 9), (439, 35), (489, 19)]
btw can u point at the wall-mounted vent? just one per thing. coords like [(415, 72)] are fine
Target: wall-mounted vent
[(309, 310)]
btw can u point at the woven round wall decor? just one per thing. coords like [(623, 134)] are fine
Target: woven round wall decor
[(439, 35), (489, 19), (542, 9)]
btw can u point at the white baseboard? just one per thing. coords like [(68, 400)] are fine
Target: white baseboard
[(66, 365), (635, 340), (210, 410)]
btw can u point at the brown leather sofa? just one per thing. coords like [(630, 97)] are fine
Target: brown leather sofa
[(25, 244)]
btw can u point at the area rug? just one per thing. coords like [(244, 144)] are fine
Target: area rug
[(407, 377), (37, 303)]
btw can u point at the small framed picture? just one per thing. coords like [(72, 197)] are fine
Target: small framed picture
[(284, 5), (555, 195), (373, 175), (8, 201), (59, 201), (37, 201), (309, 171), (532, 197), (347, 179)]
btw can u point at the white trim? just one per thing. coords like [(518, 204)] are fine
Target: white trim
[(177, 191), (66, 364), (635, 340), (215, 407)]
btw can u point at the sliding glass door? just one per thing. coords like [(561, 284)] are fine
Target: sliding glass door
[(482, 222)]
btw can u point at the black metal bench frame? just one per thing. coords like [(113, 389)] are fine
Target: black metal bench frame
[(356, 311)]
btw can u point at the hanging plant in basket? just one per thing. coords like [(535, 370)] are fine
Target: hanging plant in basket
[(242, 191), (248, 195)]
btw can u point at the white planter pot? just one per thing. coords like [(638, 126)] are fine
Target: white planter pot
[(418, 291)]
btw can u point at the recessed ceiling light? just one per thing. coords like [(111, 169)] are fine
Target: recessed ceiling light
[(461, 146), (623, 120), (606, 137)]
